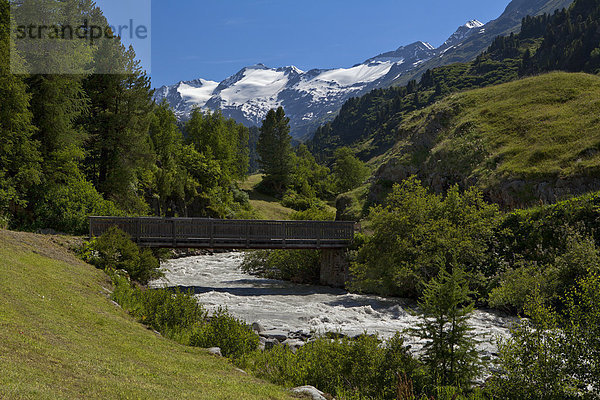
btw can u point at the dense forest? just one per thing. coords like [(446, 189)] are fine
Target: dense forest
[(83, 144)]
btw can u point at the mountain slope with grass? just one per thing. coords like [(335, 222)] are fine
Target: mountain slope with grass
[(525, 142), (61, 337)]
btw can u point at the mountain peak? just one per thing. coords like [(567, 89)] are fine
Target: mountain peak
[(462, 33), (472, 24)]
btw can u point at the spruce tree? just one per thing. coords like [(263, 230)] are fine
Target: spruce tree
[(19, 154), (167, 141), (118, 123), (449, 351), (275, 151)]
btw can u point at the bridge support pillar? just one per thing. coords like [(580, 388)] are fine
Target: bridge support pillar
[(335, 267)]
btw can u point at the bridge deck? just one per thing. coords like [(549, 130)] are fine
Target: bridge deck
[(229, 234)]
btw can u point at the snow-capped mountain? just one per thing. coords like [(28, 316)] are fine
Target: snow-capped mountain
[(463, 33), (308, 97)]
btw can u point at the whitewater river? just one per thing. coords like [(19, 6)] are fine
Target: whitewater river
[(218, 281)]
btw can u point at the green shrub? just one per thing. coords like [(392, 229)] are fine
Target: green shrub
[(552, 281), (115, 250), (532, 362), (517, 284), (66, 207), (178, 315), (313, 214), (301, 202), (233, 336), (582, 328), (347, 368), (4, 221), (542, 233), (169, 310), (418, 233)]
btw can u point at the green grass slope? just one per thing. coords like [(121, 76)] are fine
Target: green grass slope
[(536, 139), (62, 338), (266, 207)]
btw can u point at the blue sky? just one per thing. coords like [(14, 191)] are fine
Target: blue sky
[(213, 39)]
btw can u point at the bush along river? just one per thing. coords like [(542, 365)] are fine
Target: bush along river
[(287, 312)]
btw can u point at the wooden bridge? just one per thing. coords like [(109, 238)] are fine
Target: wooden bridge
[(229, 234)]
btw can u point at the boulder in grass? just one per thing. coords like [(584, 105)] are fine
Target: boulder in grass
[(216, 351), (310, 391)]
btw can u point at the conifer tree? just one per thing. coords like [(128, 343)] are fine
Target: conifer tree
[(118, 123), (275, 151), (449, 352), (167, 141), (19, 155)]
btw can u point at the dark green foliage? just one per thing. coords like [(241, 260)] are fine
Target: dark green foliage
[(66, 207), (114, 250), (220, 139), (416, 234), (582, 327), (275, 152), (19, 153), (571, 39), (349, 171), (547, 249), (118, 122), (105, 147), (346, 368), (231, 335), (540, 233), (168, 181), (531, 360), (169, 311), (253, 165), (301, 266), (449, 352)]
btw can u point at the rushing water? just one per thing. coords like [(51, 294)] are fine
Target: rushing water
[(218, 282)]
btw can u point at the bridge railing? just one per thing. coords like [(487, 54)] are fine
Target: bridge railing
[(203, 232)]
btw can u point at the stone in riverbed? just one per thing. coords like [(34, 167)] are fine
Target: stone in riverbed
[(310, 391), (258, 328), (275, 334)]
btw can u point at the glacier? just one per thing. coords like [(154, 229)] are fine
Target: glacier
[(308, 97)]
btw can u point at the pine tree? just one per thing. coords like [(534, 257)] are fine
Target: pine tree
[(449, 352), (167, 141), (118, 123), (275, 151), (19, 154)]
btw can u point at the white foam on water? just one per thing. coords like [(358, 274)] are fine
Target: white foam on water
[(218, 282)]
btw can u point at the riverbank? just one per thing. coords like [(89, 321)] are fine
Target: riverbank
[(62, 337)]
